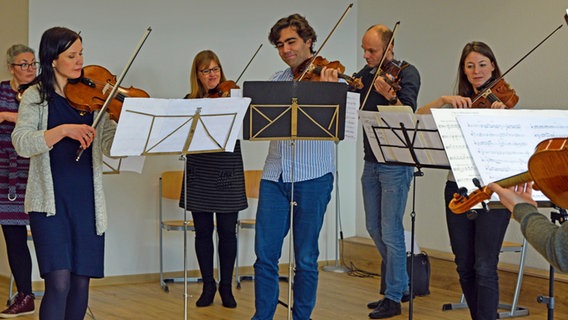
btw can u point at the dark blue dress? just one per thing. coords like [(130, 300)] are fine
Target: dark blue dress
[(68, 240)]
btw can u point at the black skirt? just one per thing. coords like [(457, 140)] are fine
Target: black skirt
[(216, 182)]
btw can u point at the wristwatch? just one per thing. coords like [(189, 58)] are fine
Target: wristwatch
[(393, 101)]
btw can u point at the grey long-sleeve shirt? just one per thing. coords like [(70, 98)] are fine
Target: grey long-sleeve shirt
[(550, 240)]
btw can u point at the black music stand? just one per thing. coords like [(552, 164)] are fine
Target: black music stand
[(292, 110), (398, 137), (559, 216)]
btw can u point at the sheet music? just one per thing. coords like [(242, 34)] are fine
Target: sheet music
[(385, 135), (502, 144), (149, 125), (460, 152), (351, 115)]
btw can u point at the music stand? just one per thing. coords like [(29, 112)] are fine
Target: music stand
[(178, 126), (399, 137), (559, 216), (292, 110)]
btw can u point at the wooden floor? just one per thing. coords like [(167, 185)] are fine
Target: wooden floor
[(340, 296)]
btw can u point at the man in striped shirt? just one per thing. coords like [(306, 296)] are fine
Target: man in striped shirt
[(306, 167)]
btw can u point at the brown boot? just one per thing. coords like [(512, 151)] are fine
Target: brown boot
[(23, 304)]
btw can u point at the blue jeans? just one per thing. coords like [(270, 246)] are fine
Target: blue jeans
[(272, 225), (476, 245), (385, 190)]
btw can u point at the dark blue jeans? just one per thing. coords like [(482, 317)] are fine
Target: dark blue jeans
[(476, 245), (385, 190), (272, 225)]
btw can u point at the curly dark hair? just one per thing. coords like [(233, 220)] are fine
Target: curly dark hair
[(298, 23)]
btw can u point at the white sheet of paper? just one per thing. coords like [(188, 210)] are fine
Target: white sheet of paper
[(351, 115), (118, 165), (502, 145), (461, 161), (149, 125)]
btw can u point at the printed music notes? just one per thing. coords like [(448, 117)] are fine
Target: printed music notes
[(495, 144)]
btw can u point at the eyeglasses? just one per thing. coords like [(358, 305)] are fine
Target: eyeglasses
[(26, 66), (207, 71)]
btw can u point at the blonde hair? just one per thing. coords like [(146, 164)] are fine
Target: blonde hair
[(196, 89)]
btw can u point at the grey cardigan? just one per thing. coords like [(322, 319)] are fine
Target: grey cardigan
[(29, 142)]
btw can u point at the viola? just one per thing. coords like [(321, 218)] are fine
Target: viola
[(547, 167), (495, 91), (311, 71), (90, 91), (223, 89), (390, 73)]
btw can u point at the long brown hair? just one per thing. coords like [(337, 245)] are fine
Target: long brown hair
[(203, 58), (465, 89), (53, 42)]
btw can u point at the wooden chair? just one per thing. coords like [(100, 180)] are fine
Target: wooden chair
[(513, 309), (170, 188)]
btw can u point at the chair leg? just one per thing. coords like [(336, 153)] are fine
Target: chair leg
[(453, 306), (90, 313), (164, 281), (237, 278), (514, 310), (216, 250), (11, 294)]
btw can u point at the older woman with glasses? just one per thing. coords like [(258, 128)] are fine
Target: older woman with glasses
[(21, 63), (216, 187)]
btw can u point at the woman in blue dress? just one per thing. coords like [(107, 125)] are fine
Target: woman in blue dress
[(64, 197)]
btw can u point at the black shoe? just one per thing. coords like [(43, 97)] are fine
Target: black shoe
[(227, 296), (386, 309), (375, 304), (207, 295)]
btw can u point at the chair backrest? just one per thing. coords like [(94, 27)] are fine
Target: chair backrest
[(252, 182), (171, 184)]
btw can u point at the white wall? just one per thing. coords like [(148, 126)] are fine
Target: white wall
[(432, 34), (234, 30)]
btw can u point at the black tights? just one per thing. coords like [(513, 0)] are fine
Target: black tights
[(66, 296), (226, 228), (19, 256)]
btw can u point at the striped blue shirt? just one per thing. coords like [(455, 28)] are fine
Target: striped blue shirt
[(313, 158)]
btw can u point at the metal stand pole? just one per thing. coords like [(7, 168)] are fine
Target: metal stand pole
[(291, 239), (561, 216), (338, 234), (185, 222), (417, 173)]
